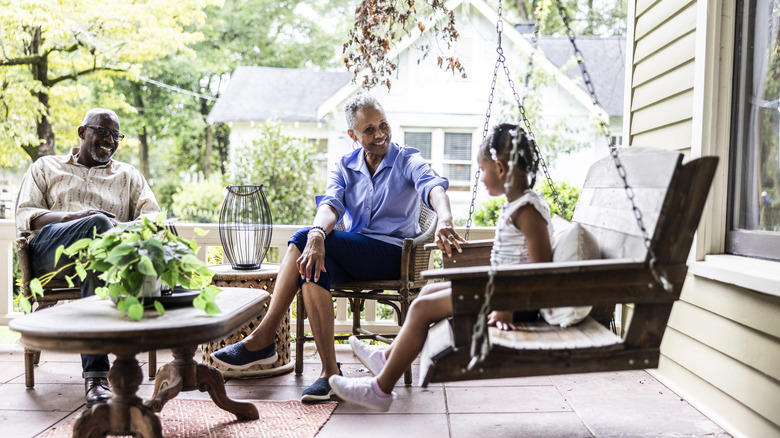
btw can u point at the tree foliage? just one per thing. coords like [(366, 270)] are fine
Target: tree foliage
[(48, 46), (286, 167), (380, 24), (487, 213)]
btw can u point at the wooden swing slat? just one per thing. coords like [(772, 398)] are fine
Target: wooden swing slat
[(669, 194)]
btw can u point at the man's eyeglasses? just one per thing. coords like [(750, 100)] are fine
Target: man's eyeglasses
[(105, 132)]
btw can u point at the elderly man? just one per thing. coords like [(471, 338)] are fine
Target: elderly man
[(66, 198)]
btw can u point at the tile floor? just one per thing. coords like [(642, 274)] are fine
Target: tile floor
[(624, 404)]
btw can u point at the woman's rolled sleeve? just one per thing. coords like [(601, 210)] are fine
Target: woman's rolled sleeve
[(425, 179)]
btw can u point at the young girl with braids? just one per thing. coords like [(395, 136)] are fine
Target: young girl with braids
[(523, 235)]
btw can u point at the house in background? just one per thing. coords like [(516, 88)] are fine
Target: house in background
[(435, 111)]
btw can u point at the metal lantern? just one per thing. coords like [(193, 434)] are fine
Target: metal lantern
[(245, 226)]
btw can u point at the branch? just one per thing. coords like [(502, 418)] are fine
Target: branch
[(75, 76), (21, 61)]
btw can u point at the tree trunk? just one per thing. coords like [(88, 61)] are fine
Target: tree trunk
[(521, 9), (207, 153), (40, 72), (204, 110), (589, 30), (143, 137)]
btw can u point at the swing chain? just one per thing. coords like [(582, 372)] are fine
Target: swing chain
[(660, 278), (480, 341)]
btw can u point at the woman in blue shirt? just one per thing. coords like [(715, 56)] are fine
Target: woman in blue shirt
[(376, 191)]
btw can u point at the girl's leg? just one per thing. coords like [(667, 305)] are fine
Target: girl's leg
[(284, 292), (427, 289), (426, 309)]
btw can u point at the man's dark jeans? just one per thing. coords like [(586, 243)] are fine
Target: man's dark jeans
[(42, 250)]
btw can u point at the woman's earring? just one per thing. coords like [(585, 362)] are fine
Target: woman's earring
[(354, 144)]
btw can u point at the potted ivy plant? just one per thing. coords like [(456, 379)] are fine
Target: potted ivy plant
[(132, 256)]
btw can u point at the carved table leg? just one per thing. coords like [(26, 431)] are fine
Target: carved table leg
[(184, 374), (125, 413), (210, 379)]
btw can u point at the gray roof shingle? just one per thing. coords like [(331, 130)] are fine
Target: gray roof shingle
[(261, 93), (605, 60)]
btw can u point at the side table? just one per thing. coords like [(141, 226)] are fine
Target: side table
[(264, 279)]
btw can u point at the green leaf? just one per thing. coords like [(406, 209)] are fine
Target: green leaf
[(159, 307), (146, 267), (77, 246), (135, 312), (80, 271), (200, 231), (35, 287), (58, 254), (24, 303), (191, 263), (102, 292)]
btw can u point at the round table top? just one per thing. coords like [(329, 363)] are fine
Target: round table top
[(92, 325), (225, 271)]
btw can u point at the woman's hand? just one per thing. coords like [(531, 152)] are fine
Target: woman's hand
[(501, 319), (312, 258), (446, 237)]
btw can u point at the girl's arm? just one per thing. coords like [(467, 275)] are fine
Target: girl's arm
[(528, 220)]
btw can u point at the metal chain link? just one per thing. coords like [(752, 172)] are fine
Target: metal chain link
[(659, 277)]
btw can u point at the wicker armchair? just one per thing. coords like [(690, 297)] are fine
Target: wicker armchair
[(396, 293), (54, 292)]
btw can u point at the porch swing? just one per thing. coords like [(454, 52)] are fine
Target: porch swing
[(635, 268)]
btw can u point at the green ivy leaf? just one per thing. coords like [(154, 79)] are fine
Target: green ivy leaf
[(135, 312), (35, 287), (146, 267), (159, 307), (80, 271), (25, 304), (191, 263), (58, 254), (200, 231), (102, 292)]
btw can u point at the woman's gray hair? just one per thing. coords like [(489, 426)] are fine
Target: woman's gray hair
[(359, 102)]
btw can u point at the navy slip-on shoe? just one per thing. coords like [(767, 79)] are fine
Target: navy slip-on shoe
[(319, 390), (238, 357)]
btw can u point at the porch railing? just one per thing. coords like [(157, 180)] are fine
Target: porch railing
[(281, 234)]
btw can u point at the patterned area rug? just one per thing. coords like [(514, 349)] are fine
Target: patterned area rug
[(202, 418)]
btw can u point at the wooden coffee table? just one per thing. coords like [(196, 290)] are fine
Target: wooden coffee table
[(94, 326)]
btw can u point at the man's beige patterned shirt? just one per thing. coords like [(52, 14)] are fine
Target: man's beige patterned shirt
[(60, 184)]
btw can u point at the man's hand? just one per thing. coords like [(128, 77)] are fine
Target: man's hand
[(52, 217), (85, 213)]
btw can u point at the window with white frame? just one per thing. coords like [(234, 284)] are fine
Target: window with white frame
[(754, 182), (449, 151)]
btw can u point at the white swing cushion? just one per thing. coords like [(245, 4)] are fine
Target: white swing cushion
[(571, 242)]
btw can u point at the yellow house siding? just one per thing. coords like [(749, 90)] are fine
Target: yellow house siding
[(739, 342), (663, 34), (680, 133), (673, 83), (721, 350), (667, 112), (729, 413), (748, 386), (679, 52)]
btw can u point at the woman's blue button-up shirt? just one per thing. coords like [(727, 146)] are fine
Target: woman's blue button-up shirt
[(386, 206)]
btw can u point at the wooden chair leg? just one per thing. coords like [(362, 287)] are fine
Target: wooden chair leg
[(29, 367), (299, 335), (152, 364), (37, 357)]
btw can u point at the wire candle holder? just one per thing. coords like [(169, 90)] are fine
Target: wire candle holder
[(245, 226)]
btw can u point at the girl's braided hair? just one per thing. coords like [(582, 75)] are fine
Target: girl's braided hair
[(499, 146)]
